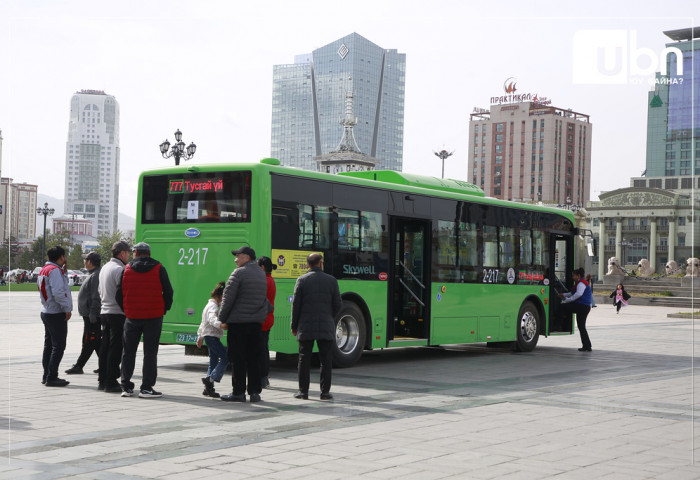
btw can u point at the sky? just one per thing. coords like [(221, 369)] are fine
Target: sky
[(205, 67)]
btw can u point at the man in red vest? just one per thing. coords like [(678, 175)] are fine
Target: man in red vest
[(145, 294)]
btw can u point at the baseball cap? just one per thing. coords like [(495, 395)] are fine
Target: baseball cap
[(120, 246), (142, 247), (94, 258), (246, 251)]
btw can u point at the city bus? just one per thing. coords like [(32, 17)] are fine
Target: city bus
[(420, 261)]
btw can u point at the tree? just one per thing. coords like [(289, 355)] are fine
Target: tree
[(9, 253), (75, 258), (106, 241)]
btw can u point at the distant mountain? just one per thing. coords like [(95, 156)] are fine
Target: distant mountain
[(125, 222)]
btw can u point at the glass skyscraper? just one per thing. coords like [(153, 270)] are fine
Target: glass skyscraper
[(308, 102), (92, 160), (673, 129)]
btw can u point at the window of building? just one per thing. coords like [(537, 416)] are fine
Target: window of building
[(499, 127), (655, 183), (671, 183), (499, 138), (670, 155), (681, 221), (638, 183), (681, 240), (686, 183), (499, 148), (669, 147)]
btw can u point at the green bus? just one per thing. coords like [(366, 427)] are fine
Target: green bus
[(420, 261)]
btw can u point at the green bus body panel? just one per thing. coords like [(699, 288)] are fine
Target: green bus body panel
[(465, 313), (471, 313)]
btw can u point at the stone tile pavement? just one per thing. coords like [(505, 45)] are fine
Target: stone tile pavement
[(626, 410)]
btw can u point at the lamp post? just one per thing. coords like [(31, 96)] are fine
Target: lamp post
[(574, 207), (442, 155), (178, 150), (46, 211), (624, 244)]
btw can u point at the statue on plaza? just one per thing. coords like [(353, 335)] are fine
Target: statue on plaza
[(693, 267), (645, 268), (614, 267), (672, 267)]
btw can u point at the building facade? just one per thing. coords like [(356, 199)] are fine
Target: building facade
[(80, 229), (19, 210), (531, 152), (673, 120), (308, 99), (92, 160), (636, 223)]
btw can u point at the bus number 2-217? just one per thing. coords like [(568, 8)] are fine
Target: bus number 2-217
[(491, 275), (193, 256)]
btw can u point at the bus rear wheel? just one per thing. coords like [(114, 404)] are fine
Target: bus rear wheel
[(350, 332), (528, 328)]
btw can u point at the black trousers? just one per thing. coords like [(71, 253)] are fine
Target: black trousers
[(111, 348), (325, 351), (55, 333), (244, 341), (150, 328), (91, 341), (581, 312)]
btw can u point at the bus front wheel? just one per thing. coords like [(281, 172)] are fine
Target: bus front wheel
[(350, 334), (528, 328)]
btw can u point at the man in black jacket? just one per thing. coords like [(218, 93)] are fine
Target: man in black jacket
[(89, 305), (316, 303)]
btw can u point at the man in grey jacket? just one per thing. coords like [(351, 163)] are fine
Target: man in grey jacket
[(244, 307), (89, 308), (56, 308), (113, 318), (316, 303)]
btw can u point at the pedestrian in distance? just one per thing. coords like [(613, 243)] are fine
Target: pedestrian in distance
[(56, 310), (267, 267), (620, 297), (210, 332), (112, 318), (145, 294), (89, 308), (244, 307), (578, 302), (316, 303)]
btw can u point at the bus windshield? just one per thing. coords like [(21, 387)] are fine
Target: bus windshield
[(196, 197)]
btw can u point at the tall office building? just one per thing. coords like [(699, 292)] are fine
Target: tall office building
[(19, 210), (92, 160), (308, 98), (527, 151)]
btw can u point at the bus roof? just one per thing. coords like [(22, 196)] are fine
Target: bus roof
[(410, 179)]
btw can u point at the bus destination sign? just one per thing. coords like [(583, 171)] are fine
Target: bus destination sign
[(191, 186)]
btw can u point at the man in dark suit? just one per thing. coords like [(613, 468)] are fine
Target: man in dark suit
[(316, 303)]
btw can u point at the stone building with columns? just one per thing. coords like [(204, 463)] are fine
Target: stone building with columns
[(635, 223)]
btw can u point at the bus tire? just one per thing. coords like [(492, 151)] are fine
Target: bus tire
[(350, 332), (528, 328)]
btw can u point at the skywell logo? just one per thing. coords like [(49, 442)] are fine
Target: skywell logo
[(611, 57)]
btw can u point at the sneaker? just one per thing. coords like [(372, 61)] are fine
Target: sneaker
[(233, 398), (208, 386), (56, 382), (128, 392), (301, 395), (149, 394), (326, 396), (265, 382), (74, 370), (255, 397)]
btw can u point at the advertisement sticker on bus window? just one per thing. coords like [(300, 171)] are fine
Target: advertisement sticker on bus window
[(192, 210)]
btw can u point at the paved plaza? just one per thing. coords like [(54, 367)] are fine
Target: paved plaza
[(624, 411)]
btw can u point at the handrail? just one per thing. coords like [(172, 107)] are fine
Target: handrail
[(411, 292), (412, 275)]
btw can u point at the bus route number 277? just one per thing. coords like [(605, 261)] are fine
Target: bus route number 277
[(193, 256), (490, 275)]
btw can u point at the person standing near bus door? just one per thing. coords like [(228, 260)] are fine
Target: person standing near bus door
[(316, 303), (267, 267), (578, 301), (145, 294), (244, 308), (56, 309), (89, 308), (112, 317), (210, 332)]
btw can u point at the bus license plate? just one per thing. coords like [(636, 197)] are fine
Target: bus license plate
[(187, 337)]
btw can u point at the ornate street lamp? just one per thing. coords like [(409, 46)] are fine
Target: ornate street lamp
[(178, 150), (46, 211), (574, 207), (442, 155), (624, 244)]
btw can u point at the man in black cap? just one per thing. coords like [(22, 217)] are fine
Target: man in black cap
[(244, 308), (112, 317), (145, 294), (89, 308)]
